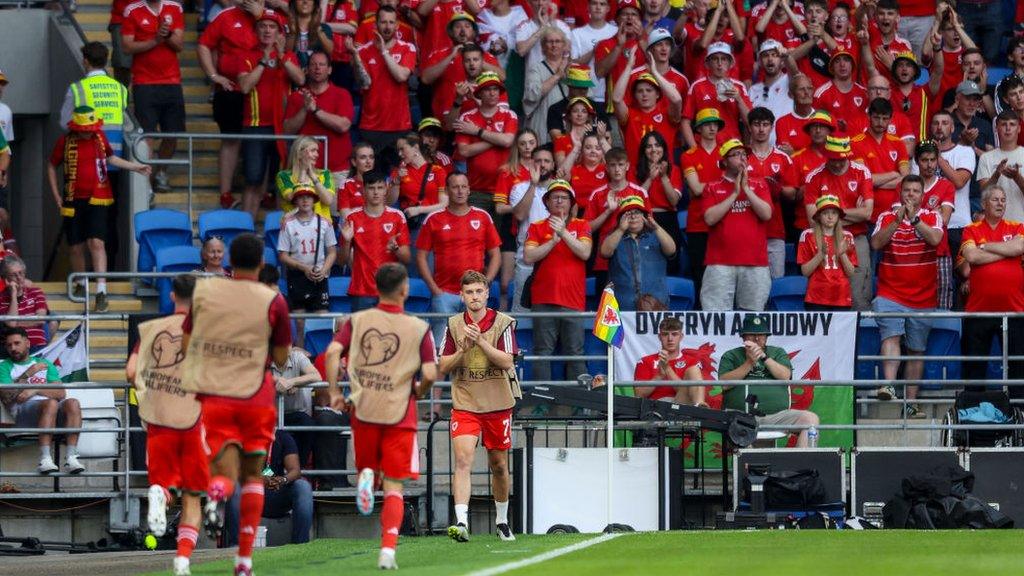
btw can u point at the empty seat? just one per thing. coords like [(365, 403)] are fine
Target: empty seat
[(318, 334), (98, 411), (787, 294), (272, 227), (337, 294), (593, 294), (494, 295), (174, 259), (680, 293), (419, 296), (158, 229), (269, 256), (869, 343), (225, 224), (792, 268), (943, 340)]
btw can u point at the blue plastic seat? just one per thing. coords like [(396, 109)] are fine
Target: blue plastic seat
[(524, 340), (681, 295), (174, 259), (225, 224), (419, 296), (337, 294), (943, 340), (869, 343), (792, 268), (787, 294), (494, 295), (269, 256), (593, 294), (272, 228), (923, 79), (158, 229), (594, 346), (682, 215), (995, 74), (318, 334)]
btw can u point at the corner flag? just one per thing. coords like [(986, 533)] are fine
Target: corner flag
[(607, 325)]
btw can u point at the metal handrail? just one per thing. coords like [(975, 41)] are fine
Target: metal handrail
[(191, 137)]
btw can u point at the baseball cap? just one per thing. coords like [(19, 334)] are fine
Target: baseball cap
[(634, 4), (273, 16), (969, 88), (657, 35), (770, 44), (754, 324), (719, 48)]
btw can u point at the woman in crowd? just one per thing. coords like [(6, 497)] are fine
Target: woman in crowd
[(417, 184), (580, 117), (516, 170), (350, 190), (588, 174), (664, 184), (827, 257), (342, 19), (543, 85), (212, 257), (306, 32), (302, 169)]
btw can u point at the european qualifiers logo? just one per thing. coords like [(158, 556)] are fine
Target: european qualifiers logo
[(377, 348), (166, 350)]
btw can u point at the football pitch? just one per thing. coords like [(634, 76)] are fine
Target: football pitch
[(714, 553)]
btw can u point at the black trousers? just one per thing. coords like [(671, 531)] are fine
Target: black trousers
[(330, 449), (976, 340)]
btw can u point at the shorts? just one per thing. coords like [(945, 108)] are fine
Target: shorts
[(735, 287), (257, 155), (496, 427), (176, 459), (118, 57), (251, 427), (914, 330), (227, 111), (390, 450), (89, 221), (304, 294), (159, 105), (28, 413)]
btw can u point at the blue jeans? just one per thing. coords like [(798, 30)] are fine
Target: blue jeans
[(984, 24), (296, 497), (448, 304)]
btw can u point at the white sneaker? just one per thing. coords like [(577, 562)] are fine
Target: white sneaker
[(181, 566), (364, 492), (157, 516), (386, 560), (73, 465), (46, 465)]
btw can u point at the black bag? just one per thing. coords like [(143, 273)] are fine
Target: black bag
[(792, 490)]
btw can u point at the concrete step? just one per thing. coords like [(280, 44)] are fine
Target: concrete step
[(899, 438), (116, 341), (107, 374), (116, 305), (59, 289), (96, 325)]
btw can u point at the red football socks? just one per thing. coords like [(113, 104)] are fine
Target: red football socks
[(187, 536), (391, 519), (249, 518)]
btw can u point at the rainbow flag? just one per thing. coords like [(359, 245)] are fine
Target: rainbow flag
[(608, 325)]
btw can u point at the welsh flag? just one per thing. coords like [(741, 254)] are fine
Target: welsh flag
[(69, 355)]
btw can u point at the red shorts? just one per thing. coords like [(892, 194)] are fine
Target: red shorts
[(249, 427), (496, 427), (389, 450), (176, 459)]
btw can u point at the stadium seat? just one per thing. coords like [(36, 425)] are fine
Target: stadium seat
[(922, 80), (494, 295), (787, 294), (943, 340), (272, 228), (98, 411), (174, 259), (524, 340), (869, 343), (996, 74), (593, 294), (157, 229), (337, 293), (792, 268), (419, 296), (594, 346), (225, 224), (318, 334), (680, 293), (682, 215)]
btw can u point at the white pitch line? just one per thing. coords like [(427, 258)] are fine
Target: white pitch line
[(503, 568)]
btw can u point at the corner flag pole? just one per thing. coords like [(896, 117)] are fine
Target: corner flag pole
[(609, 436)]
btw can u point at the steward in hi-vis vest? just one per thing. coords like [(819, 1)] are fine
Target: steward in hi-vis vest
[(478, 351)]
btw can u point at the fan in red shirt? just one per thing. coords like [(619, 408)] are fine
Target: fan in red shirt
[(322, 109), (367, 29), (656, 106), (851, 182), (722, 25), (883, 154), (120, 61), (953, 40), (841, 97), (779, 22), (436, 14), (776, 168), (660, 45), (590, 173), (604, 203), (914, 100), (717, 90), (701, 165), (372, 235), (906, 236), (827, 257), (991, 250), (737, 210), (790, 135), (878, 36), (448, 69), (671, 364), (817, 129), (350, 189), (612, 55), (899, 126), (938, 196), (420, 183), (484, 138)]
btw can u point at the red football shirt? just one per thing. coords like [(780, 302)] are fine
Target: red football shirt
[(640, 122), (560, 278), (369, 246), (264, 104), (778, 171), (334, 100), (87, 168), (704, 94), (845, 107), (506, 180), (790, 128), (906, 272), (483, 168), (605, 47), (117, 8), (411, 181), (674, 77), (434, 33), (805, 161), (386, 101), (828, 284), (584, 182), (350, 194), (705, 164), (159, 64), (459, 243), (940, 193), (367, 31), (915, 105), (647, 370), (853, 188), (444, 86), (231, 34), (997, 286), (740, 238), (342, 12), (887, 155), (656, 191), (897, 45)]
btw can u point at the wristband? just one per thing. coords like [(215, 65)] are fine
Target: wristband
[(480, 133)]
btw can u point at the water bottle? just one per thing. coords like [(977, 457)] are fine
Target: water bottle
[(812, 437)]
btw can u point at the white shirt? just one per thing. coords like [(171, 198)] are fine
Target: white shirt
[(775, 98), (298, 239), (961, 158), (1014, 198), (537, 211), (584, 39), (526, 29), (7, 122), (493, 26)]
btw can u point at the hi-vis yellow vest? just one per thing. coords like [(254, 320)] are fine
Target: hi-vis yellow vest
[(383, 359), (162, 400), (107, 96), (477, 385), (230, 340)]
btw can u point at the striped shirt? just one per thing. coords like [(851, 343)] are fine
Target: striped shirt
[(906, 273)]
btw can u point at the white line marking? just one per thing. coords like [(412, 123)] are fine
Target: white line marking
[(503, 568)]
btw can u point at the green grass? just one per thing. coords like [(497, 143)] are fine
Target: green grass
[(762, 553)]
